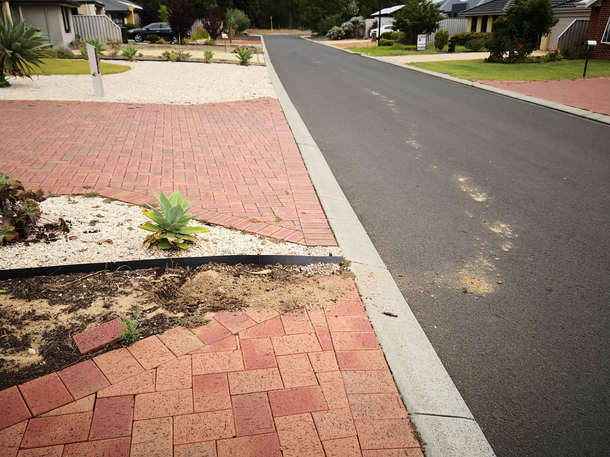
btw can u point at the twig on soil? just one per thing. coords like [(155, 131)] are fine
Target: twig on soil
[(76, 280)]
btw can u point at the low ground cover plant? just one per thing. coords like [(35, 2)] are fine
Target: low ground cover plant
[(153, 38), (19, 209), (170, 223)]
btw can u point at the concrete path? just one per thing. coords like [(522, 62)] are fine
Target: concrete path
[(239, 160), (312, 382)]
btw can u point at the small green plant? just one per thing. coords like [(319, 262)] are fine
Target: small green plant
[(172, 56), (207, 55), (244, 55), (441, 39), (383, 42), (114, 47), (183, 56), (475, 45), (171, 223), (19, 209), (161, 41), (130, 52), (153, 38), (131, 333), (210, 42), (19, 49)]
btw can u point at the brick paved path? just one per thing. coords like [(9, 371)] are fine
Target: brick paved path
[(250, 384), (239, 159), (592, 94)]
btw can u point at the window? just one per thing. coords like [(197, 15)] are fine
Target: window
[(118, 18), (66, 13), (473, 25), (606, 35), (484, 24)]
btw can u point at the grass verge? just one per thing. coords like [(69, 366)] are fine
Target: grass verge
[(399, 50), (75, 67), (552, 71)]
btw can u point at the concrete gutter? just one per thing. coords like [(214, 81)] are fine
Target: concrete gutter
[(604, 119), (441, 416)]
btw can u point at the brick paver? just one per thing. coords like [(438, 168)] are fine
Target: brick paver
[(268, 388), (238, 160), (100, 336)]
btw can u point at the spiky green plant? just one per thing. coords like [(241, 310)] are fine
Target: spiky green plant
[(130, 53), (244, 55), (170, 224), (20, 49)]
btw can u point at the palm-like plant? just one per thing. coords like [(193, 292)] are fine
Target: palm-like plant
[(19, 49), (170, 224)]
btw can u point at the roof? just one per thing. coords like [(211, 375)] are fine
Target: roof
[(500, 7), (387, 11), (119, 6), (70, 3), (587, 3)]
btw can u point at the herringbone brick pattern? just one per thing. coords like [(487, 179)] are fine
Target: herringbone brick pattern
[(239, 160)]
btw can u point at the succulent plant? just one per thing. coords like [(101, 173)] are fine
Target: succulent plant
[(20, 49)]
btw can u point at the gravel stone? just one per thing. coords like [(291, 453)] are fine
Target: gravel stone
[(116, 237), (181, 83)]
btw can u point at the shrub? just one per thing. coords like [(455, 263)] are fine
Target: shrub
[(170, 224), (213, 21), (574, 53), (130, 53), (475, 45), (336, 33), (93, 42), (172, 56), (161, 41), (358, 23), (153, 38), (210, 42), (441, 39), (383, 42), (328, 23), (203, 33), (348, 29), (386, 35), (133, 26), (57, 52), (20, 49), (114, 47), (183, 56), (237, 20), (463, 37), (207, 56), (244, 55), (163, 13), (19, 209), (200, 36)]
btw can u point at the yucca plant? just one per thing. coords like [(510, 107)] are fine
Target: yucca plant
[(20, 49), (170, 224), (244, 55), (130, 53)]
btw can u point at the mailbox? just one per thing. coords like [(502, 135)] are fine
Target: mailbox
[(590, 45)]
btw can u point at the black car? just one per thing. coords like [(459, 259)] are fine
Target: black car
[(161, 29)]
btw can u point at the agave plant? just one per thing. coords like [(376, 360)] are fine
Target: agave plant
[(20, 49), (244, 55), (170, 224)]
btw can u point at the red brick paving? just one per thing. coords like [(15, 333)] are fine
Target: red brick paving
[(592, 94), (100, 336), (239, 160), (223, 399)]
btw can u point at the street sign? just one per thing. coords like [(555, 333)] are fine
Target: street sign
[(96, 72), (421, 42)]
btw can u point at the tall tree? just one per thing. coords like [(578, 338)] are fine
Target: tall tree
[(214, 21), (181, 19), (417, 17)]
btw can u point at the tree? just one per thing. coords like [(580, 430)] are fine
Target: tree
[(417, 17), (237, 20), (181, 19), (213, 21), (164, 13), (518, 35), (316, 11), (149, 14)]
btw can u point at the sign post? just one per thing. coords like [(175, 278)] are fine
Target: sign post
[(96, 73), (421, 42)]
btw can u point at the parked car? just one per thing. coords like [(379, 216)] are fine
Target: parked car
[(384, 28), (161, 29)]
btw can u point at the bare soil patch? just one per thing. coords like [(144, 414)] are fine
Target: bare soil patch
[(42, 314)]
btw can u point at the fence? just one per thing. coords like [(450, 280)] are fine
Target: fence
[(574, 35), (98, 26), (452, 24)]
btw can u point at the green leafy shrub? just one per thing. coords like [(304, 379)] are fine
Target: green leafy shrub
[(237, 20), (170, 224), (20, 49), (475, 45), (386, 36), (172, 56), (328, 23), (131, 26), (574, 53), (130, 53), (336, 33), (82, 44), (441, 39), (463, 37), (19, 209), (210, 42), (201, 34), (244, 55), (161, 41), (207, 55), (153, 38), (383, 42), (183, 56), (57, 53)]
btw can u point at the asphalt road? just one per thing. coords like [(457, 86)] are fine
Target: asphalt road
[(493, 217)]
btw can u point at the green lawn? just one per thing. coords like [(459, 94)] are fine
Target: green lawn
[(75, 67), (399, 50), (478, 69)]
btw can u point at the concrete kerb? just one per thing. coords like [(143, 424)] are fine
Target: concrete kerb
[(597, 117), (439, 412)]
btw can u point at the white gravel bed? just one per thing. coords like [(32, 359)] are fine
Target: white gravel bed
[(116, 237), (182, 83)]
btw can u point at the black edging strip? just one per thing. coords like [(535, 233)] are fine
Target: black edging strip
[(181, 262)]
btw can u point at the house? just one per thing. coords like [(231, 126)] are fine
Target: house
[(121, 12), (571, 19), (52, 17), (599, 26)]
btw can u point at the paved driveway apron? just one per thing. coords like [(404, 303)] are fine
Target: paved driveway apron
[(492, 216), (239, 160)]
